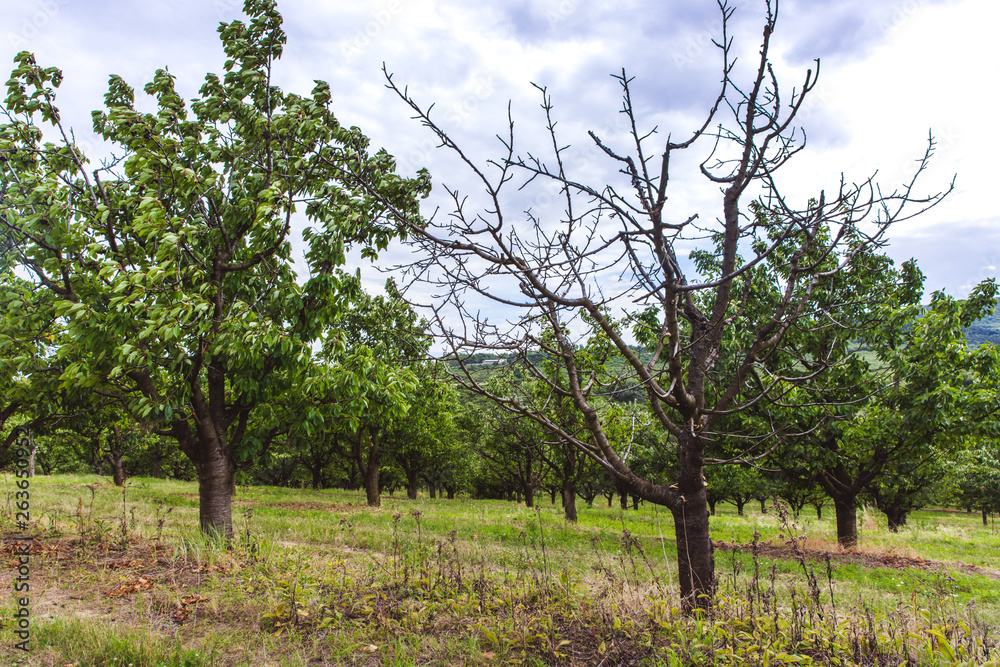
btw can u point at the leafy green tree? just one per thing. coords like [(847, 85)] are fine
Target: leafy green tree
[(508, 448), (975, 475), (368, 384), (912, 392), (912, 485), (169, 267), (423, 443)]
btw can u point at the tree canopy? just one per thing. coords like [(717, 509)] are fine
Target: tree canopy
[(166, 272)]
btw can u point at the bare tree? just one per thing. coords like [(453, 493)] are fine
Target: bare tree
[(708, 331)]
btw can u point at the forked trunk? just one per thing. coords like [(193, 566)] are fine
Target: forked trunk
[(114, 459)]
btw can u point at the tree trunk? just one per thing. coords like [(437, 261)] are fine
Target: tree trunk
[(114, 459), (819, 512), (896, 516), (569, 501), (529, 495), (763, 506), (372, 494), (623, 499), (711, 506), (695, 556), (215, 505), (846, 507), (411, 483), (740, 504), (451, 492), (431, 490), (985, 517), (352, 476)]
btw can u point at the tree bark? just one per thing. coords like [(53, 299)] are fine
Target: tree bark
[(569, 500), (411, 483), (215, 506), (896, 516), (372, 494), (846, 508), (114, 458), (529, 495), (695, 555)]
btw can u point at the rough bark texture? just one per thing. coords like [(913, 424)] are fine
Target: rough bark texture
[(215, 507), (695, 557)]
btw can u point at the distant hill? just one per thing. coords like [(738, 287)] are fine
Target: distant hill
[(986, 330)]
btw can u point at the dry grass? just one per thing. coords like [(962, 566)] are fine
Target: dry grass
[(315, 579)]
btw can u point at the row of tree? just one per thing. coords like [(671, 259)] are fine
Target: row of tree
[(155, 287)]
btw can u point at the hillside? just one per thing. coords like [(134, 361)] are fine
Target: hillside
[(986, 330)]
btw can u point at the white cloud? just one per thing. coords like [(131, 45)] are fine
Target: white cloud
[(890, 71)]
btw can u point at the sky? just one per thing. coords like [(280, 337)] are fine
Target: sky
[(890, 73)]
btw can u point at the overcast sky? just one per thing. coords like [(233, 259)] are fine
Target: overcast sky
[(891, 71)]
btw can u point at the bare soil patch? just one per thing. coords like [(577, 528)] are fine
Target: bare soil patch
[(871, 560)]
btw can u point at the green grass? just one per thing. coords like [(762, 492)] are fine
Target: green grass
[(316, 577)]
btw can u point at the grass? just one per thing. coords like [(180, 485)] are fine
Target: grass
[(316, 577)]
